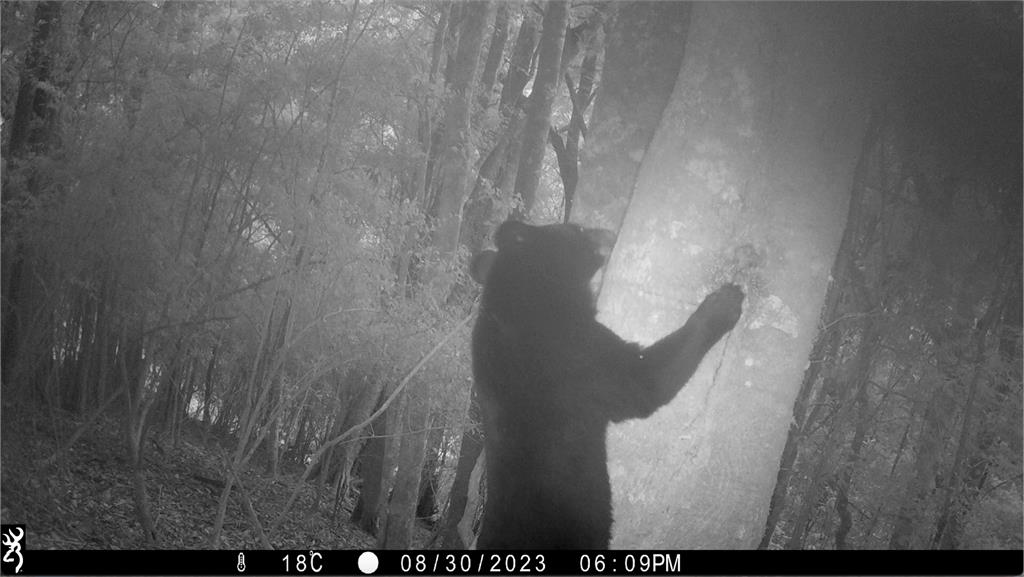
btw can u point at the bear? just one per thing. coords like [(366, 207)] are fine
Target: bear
[(550, 378)]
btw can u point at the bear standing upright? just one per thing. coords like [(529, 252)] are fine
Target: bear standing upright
[(550, 378)]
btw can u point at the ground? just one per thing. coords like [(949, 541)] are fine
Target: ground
[(85, 500)]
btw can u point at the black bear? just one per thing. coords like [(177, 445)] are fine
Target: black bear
[(550, 378)]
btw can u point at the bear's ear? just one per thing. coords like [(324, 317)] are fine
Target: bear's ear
[(511, 232), (480, 266)]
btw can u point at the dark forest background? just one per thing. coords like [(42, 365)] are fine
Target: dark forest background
[(235, 310)]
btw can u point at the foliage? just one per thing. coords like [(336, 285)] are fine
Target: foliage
[(229, 180), (908, 430)]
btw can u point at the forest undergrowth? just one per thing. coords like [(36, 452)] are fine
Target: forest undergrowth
[(84, 499)]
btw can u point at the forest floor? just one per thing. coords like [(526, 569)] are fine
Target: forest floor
[(84, 500)]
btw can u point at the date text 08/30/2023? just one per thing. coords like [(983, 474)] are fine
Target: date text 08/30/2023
[(587, 563)]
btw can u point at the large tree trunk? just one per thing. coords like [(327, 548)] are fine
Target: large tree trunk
[(33, 130), (747, 180), (645, 42), (828, 341), (31, 124)]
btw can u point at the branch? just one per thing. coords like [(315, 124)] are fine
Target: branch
[(356, 428)]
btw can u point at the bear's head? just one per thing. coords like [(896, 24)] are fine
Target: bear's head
[(541, 267)]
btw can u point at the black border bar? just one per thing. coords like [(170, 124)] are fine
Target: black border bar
[(432, 562)]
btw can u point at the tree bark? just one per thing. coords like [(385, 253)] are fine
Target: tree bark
[(538, 118), (33, 129), (30, 124), (828, 340), (137, 405), (208, 387), (960, 494), (861, 415), (494, 53), (519, 64), (908, 531), (451, 188), (426, 500), (467, 531), (371, 465), (737, 166), (568, 151), (411, 454), (645, 44), (472, 446)]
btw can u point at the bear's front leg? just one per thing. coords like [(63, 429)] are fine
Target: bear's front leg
[(664, 367)]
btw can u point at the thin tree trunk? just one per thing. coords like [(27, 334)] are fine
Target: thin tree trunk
[(441, 33), (208, 388), (133, 374), (519, 63), (426, 500), (456, 20), (411, 455), (451, 188), (568, 151), (371, 467), (479, 218), (538, 118), (494, 53), (467, 525), (469, 452)]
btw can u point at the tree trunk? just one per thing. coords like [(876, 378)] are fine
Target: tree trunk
[(908, 530), (960, 495), (405, 494), (371, 468), (480, 219), (451, 188), (208, 387), (494, 53), (538, 118), (862, 417), (519, 63), (472, 445), (133, 374), (273, 441), (645, 43), (468, 524), (426, 500), (31, 123), (568, 151), (33, 129), (828, 340), (366, 391), (737, 167)]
